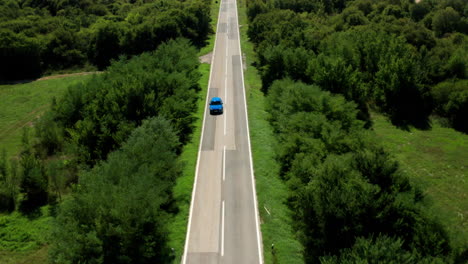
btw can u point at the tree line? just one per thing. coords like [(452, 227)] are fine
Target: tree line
[(324, 65), (105, 158), (350, 200), (38, 37), (119, 211), (385, 55)]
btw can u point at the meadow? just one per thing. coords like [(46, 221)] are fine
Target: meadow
[(23, 239), (436, 160), (22, 104)]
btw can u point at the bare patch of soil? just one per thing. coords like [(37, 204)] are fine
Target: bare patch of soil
[(206, 58)]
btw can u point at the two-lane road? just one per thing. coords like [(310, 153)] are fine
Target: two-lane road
[(224, 225)]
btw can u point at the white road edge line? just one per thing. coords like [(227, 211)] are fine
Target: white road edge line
[(259, 244), (222, 230), (189, 224)]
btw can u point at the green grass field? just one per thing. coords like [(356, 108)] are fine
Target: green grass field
[(271, 191), (437, 161), (184, 185), (21, 104)]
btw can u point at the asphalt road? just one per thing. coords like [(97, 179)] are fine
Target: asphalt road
[(224, 224)]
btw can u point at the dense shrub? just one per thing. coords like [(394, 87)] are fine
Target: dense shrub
[(451, 101), (120, 209), (100, 114), (343, 184)]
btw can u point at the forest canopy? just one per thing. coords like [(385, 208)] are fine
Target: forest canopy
[(384, 55), (38, 37), (325, 65)]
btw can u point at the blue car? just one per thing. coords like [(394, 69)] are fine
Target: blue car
[(216, 106)]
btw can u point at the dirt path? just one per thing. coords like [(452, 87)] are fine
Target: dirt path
[(67, 75), (27, 120)]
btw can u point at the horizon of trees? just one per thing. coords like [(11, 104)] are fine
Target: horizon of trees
[(38, 37), (384, 55)]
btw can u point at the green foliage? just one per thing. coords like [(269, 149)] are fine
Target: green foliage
[(22, 234), (8, 184), (281, 61), (105, 44), (385, 55), (34, 181), (20, 56), (419, 11), (132, 194), (100, 114), (344, 188), (275, 26), (451, 100), (382, 249), (64, 50), (43, 36), (445, 21), (399, 90), (255, 8), (343, 184), (50, 133)]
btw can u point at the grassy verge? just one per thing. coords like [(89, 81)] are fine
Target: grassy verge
[(21, 104), (437, 161), (271, 191), (184, 184)]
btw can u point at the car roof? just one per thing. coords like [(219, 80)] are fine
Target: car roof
[(214, 99)]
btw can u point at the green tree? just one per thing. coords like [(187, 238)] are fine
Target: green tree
[(451, 101), (419, 11), (34, 181), (382, 249), (105, 45), (398, 89), (63, 50), (19, 56), (445, 21), (132, 190), (255, 8)]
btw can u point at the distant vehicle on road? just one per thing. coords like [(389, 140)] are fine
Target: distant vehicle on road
[(216, 106)]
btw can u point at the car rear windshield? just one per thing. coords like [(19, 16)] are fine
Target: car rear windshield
[(215, 103)]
